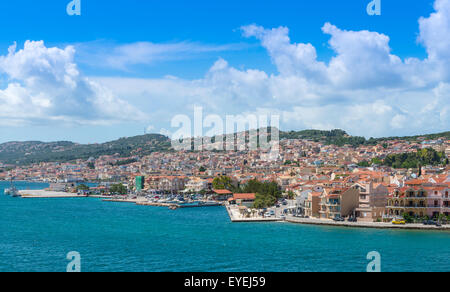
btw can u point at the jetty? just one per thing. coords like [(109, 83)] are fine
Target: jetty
[(170, 205), (42, 194)]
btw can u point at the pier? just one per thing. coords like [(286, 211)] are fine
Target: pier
[(42, 194)]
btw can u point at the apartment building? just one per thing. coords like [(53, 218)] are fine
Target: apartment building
[(420, 198), (372, 201), (312, 204), (338, 202)]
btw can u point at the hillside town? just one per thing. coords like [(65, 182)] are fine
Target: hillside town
[(316, 180)]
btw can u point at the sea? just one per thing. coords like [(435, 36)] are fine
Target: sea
[(38, 234)]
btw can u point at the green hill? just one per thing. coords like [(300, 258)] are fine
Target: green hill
[(34, 152), (22, 153)]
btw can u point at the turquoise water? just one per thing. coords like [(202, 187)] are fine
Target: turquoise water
[(37, 234)]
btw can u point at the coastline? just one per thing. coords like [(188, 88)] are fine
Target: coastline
[(236, 217), (372, 225)]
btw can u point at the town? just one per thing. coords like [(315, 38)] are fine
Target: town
[(308, 181)]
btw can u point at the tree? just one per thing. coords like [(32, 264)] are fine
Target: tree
[(377, 160), (427, 156), (364, 163), (82, 187), (202, 169), (266, 193), (291, 195), (408, 218), (118, 189), (91, 165), (222, 183)]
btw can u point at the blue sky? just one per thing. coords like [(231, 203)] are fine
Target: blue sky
[(137, 44)]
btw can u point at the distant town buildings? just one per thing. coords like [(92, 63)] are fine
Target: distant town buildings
[(327, 180)]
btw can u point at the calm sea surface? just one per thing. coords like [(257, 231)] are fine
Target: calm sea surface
[(37, 234)]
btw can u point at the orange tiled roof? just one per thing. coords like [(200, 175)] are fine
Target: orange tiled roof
[(222, 192), (250, 196)]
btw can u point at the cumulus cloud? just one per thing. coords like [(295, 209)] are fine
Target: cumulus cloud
[(44, 85), (124, 56), (364, 88)]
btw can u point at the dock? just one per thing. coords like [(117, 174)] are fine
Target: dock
[(42, 194), (172, 206)]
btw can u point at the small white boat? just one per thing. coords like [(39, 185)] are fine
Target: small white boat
[(12, 191)]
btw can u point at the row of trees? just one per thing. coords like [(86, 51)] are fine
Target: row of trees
[(116, 189), (427, 156), (411, 219)]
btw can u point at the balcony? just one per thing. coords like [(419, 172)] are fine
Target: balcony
[(415, 206)]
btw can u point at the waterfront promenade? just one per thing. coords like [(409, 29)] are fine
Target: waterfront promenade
[(236, 216), (377, 225)]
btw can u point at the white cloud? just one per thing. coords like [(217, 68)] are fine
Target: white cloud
[(124, 56), (364, 89), (44, 85)]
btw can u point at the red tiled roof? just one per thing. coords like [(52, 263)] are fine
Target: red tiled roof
[(222, 192), (250, 196)]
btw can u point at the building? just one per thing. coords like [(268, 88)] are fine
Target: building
[(140, 180), (196, 185), (411, 200), (222, 195), (167, 184), (246, 200), (338, 202), (372, 201), (312, 204)]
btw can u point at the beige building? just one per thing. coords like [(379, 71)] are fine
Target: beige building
[(372, 201), (312, 204), (338, 202)]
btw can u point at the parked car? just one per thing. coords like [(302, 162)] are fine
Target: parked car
[(399, 222), (430, 222), (338, 219), (352, 219)]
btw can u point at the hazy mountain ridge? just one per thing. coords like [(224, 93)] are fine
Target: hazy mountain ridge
[(35, 152)]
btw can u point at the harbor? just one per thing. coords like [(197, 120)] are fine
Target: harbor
[(123, 237), (237, 213)]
